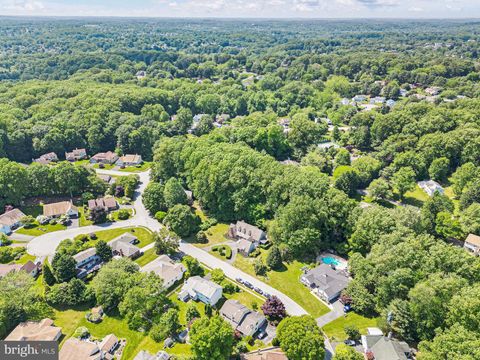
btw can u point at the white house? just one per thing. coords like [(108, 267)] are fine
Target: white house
[(200, 289), (87, 261), (167, 269), (10, 220), (430, 187), (472, 244), (129, 160)]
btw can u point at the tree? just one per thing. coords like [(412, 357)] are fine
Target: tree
[(342, 158), (346, 179), (345, 352), (13, 183), (447, 226), (471, 194), (153, 198), (439, 169), (217, 276), (304, 133), (28, 221), (104, 251), (174, 193), (463, 176), (469, 297), (470, 219), (300, 338), (182, 220), (193, 266), (64, 267), (168, 325), (432, 206), (211, 339), (259, 267), (274, 309), (48, 276), (98, 215), (379, 189), (4, 240), (191, 312), (274, 258), (166, 242), (72, 293), (404, 180), (352, 332)]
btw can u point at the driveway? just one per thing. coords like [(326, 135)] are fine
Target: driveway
[(337, 312), (46, 244)]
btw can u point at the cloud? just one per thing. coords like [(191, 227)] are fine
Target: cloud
[(23, 5), (379, 3)]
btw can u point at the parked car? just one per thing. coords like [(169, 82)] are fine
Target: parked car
[(261, 335), (247, 284), (239, 280), (350, 342), (347, 308), (257, 290)]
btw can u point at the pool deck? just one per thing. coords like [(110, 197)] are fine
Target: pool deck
[(342, 263)]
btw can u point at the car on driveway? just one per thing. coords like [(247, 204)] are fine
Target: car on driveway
[(350, 342)]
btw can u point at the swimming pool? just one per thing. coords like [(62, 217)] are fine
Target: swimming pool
[(330, 260)]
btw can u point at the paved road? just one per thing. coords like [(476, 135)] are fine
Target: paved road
[(46, 244), (20, 237)]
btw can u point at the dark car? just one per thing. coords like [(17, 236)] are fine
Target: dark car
[(247, 284), (347, 308), (350, 342), (239, 280)]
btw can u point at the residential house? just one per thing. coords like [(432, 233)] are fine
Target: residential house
[(75, 155), (472, 244), (403, 92), (359, 98), (87, 262), (106, 178), (242, 319), (31, 268), (140, 74), (124, 246), (200, 289), (243, 231), (61, 208), (109, 344), (245, 247), (46, 159), (325, 282), (377, 100), (10, 220), (129, 160), (430, 187), (433, 91), (385, 348), (76, 349), (43, 330), (108, 203), (273, 353), (104, 158), (170, 271), (327, 145), (145, 355)]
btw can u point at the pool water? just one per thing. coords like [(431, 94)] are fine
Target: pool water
[(330, 260)]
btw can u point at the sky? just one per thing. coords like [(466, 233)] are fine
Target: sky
[(246, 8)]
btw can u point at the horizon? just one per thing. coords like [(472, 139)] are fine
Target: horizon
[(247, 9)]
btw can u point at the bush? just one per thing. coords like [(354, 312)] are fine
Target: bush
[(8, 254), (160, 215), (202, 237), (275, 342), (82, 238), (352, 332), (81, 332), (123, 214), (255, 253), (53, 222), (93, 236), (208, 223)]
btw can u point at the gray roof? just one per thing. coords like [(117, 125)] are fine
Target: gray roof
[(327, 279), (126, 237), (250, 322), (85, 254), (248, 231), (384, 348), (234, 311), (123, 244)]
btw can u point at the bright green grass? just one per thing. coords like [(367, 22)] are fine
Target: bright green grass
[(416, 197), (335, 329), (246, 298), (114, 215), (38, 229), (82, 217), (105, 166), (148, 256), (215, 235), (287, 281), (143, 167), (25, 258), (144, 236), (85, 162)]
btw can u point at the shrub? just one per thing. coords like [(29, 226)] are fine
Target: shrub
[(160, 215), (81, 332), (83, 238), (53, 222), (202, 237), (93, 236), (123, 214), (254, 253)]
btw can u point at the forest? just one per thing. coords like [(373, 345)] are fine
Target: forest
[(237, 112)]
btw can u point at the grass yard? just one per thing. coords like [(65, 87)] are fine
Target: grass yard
[(145, 166), (335, 329), (105, 166), (148, 256), (144, 236), (287, 281), (223, 252), (70, 320), (24, 259), (246, 298), (85, 162), (38, 229), (82, 217), (215, 235), (114, 215), (416, 197)]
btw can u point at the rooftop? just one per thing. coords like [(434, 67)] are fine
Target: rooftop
[(35, 331), (11, 217)]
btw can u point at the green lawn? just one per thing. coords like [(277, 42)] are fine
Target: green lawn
[(215, 235), (147, 257), (247, 298), (69, 320), (114, 215), (218, 250), (144, 236), (82, 217), (145, 166), (85, 162), (105, 166), (287, 281), (416, 197), (38, 229), (25, 258), (335, 329)]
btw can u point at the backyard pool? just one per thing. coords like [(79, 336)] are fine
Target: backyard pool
[(330, 261)]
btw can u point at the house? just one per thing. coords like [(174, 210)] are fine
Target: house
[(124, 246), (222, 118), (290, 162), (35, 331), (359, 98), (200, 289), (140, 74), (327, 145), (104, 158), (29, 267), (403, 92), (167, 269), (46, 159), (242, 230), (145, 355), (325, 282), (129, 160), (108, 344), (87, 262), (106, 178), (58, 209), (377, 100), (472, 244), (433, 91), (273, 353), (385, 348), (107, 203), (75, 349), (430, 187), (242, 319), (245, 247), (10, 220), (189, 196), (75, 155)]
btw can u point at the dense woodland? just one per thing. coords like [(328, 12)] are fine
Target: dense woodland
[(78, 83)]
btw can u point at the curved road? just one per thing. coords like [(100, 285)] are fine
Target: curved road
[(46, 244)]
